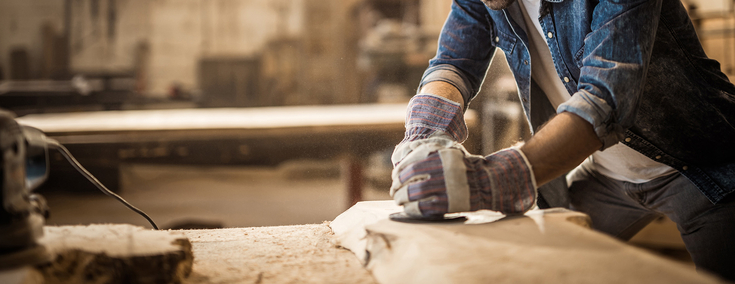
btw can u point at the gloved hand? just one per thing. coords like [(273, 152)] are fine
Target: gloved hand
[(440, 177), (430, 116), (434, 174)]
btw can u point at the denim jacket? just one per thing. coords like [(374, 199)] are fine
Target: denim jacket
[(635, 69)]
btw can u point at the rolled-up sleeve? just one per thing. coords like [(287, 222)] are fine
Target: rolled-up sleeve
[(614, 66), (450, 74), (465, 49), (598, 113)]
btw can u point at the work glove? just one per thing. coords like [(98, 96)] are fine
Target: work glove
[(433, 173), (438, 178), (430, 116)]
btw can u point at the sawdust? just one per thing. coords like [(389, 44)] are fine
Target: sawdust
[(288, 254)]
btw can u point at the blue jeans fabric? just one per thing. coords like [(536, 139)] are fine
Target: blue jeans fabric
[(621, 209)]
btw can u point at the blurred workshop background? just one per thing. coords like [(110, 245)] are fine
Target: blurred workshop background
[(146, 57)]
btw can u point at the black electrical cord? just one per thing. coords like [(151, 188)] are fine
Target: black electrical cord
[(56, 145)]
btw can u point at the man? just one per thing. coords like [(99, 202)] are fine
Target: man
[(625, 95)]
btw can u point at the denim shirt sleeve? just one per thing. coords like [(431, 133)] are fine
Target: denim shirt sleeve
[(614, 65), (465, 49)]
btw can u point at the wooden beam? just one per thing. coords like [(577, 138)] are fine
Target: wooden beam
[(542, 246), (118, 253)]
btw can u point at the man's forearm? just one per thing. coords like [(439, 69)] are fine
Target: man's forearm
[(562, 144), (559, 146), (444, 89)]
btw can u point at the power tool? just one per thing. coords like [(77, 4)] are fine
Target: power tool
[(24, 167), (22, 213)]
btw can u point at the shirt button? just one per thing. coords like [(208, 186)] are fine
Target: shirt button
[(658, 157), (524, 100), (550, 35), (525, 62), (566, 79), (497, 39), (627, 139), (685, 168)]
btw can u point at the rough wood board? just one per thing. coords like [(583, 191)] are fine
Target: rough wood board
[(349, 227), (287, 254), (115, 253), (536, 248)]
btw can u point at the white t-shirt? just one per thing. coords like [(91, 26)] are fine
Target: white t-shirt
[(619, 161)]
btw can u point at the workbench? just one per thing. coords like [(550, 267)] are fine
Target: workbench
[(553, 245), (541, 246), (102, 141), (287, 254), (120, 253)]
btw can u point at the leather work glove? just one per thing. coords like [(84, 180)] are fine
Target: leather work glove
[(433, 174), (434, 179)]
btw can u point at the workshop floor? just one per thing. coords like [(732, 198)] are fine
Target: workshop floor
[(199, 196)]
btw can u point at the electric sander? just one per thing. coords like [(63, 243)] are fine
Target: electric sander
[(24, 167)]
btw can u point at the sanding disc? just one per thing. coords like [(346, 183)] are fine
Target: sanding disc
[(403, 217)]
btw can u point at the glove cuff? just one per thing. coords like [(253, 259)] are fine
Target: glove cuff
[(429, 113), (511, 182), (528, 164)]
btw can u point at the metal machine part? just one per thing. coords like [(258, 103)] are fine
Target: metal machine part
[(24, 166), (405, 218)]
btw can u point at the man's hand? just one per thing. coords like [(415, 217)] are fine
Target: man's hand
[(559, 146), (434, 174), (428, 116), (439, 176)]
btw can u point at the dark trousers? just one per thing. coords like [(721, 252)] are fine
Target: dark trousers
[(621, 209)]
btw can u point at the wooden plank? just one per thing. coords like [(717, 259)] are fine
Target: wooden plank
[(222, 118), (286, 254), (542, 246), (116, 253), (179, 124)]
